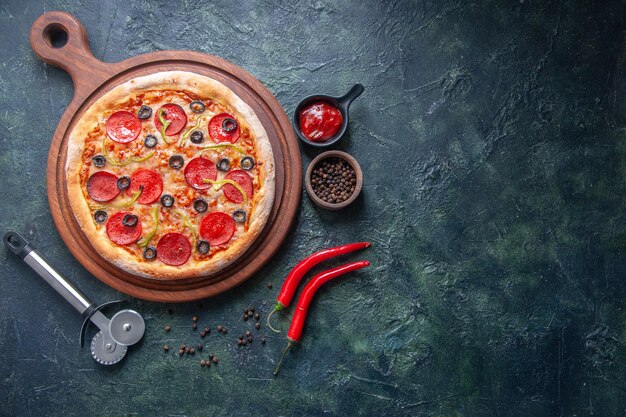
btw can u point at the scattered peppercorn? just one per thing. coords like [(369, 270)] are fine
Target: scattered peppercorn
[(258, 326), (269, 285), (202, 334), (166, 348), (181, 352), (250, 339), (192, 351), (257, 316), (245, 317), (251, 309), (239, 342), (225, 330), (168, 328), (202, 362), (200, 347), (210, 356), (194, 318), (187, 349), (220, 328), (194, 326), (263, 340), (207, 330), (333, 180), (215, 360)]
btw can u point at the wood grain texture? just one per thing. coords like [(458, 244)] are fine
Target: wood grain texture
[(93, 78)]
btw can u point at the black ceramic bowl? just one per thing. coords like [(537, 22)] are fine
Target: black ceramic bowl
[(342, 103)]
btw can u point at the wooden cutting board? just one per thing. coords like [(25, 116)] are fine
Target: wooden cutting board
[(60, 40)]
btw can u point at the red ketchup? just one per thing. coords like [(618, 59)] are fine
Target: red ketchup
[(320, 121)]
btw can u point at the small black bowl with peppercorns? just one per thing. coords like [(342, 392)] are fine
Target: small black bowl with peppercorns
[(333, 180)]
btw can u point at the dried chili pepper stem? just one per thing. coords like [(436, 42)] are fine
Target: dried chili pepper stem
[(290, 285), (299, 316)]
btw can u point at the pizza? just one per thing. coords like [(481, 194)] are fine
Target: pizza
[(170, 175)]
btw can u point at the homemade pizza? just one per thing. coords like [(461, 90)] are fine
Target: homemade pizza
[(170, 175)]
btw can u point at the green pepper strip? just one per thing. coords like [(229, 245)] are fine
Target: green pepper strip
[(128, 203), (219, 184), (164, 125), (125, 162), (188, 224), (185, 135), (224, 145), (155, 218)]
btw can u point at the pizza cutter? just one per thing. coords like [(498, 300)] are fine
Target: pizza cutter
[(110, 344)]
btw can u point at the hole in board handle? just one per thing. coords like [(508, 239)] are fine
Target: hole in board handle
[(55, 35)]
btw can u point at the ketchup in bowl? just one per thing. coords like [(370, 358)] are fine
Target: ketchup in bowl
[(320, 121)]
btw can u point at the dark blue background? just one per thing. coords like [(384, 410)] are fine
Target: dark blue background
[(492, 139)]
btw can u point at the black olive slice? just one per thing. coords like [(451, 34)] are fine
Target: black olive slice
[(177, 161), (123, 182), (150, 253), (247, 163), (167, 200), (99, 161), (223, 165), (197, 106), (144, 112), (197, 136), (239, 216), (130, 220), (203, 247), (100, 216), (150, 141), (200, 205), (229, 124)]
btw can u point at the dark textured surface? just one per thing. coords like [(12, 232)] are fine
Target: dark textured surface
[(491, 135)]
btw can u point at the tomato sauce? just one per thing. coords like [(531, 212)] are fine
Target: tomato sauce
[(320, 121)]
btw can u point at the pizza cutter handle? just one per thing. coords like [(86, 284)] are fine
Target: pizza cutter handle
[(59, 39), (20, 247)]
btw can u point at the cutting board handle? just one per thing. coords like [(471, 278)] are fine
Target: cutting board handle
[(59, 39)]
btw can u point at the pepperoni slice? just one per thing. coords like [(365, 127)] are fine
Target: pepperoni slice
[(175, 114), (218, 134), (173, 249), (150, 181), (243, 179), (199, 169), (123, 126), (102, 186), (121, 234), (217, 228)]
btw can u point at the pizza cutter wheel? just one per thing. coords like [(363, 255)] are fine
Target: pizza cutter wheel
[(110, 344)]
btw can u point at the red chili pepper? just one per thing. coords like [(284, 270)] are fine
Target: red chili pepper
[(290, 285), (299, 316)]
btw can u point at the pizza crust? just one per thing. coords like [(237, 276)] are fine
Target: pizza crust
[(205, 87)]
